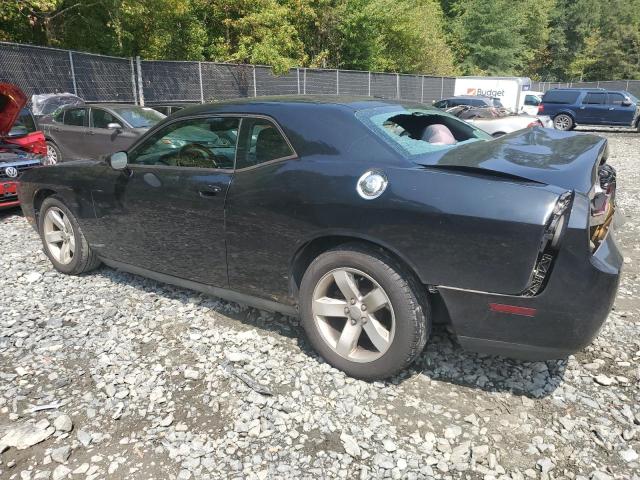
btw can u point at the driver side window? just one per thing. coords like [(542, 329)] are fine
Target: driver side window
[(196, 142)]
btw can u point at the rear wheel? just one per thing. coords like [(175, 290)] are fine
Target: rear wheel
[(63, 240), (363, 312), (563, 122), (53, 154)]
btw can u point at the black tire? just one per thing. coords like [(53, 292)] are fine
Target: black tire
[(407, 297), (563, 122), (51, 146), (84, 259)]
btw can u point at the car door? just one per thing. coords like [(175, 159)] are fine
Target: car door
[(166, 212), (103, 140), (593, 108), (71, 134), (259, 189), (620, 111)]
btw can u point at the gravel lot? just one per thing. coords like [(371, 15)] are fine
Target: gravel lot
[(110, 375)]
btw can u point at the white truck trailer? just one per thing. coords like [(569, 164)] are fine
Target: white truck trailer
[(510, 90)]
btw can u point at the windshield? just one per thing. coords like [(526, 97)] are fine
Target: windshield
[(139, 117), (416, 131)]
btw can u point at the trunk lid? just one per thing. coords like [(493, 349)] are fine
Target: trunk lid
[(12, 99), (564, 159)]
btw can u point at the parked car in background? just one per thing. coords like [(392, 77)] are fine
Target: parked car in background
[(496, 122), (362, 216), (530, 102), (169, 108), (472, 100), (91, 130), (22, 146), (569, 107)]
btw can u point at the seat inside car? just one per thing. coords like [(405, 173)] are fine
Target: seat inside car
[(270, 145), (438, 134)]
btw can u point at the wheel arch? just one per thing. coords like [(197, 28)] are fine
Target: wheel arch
[(308, 251), (39, 197), (565, 112)]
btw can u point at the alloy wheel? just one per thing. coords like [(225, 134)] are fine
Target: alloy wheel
[(52, 155), (353, 314), (562, 122), (59, 236)]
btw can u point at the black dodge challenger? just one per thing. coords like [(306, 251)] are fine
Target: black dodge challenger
[(370, 219)]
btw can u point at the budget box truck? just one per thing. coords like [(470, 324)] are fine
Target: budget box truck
[(510, 90)]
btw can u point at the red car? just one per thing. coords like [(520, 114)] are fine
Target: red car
[(22, 145)]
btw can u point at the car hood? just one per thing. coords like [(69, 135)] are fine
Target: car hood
[(552, 157), (12, 99)]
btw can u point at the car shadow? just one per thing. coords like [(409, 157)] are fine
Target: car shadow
[(10, 212), (604, 129), (442, 360)]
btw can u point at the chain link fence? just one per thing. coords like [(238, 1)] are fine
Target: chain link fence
[(100, 78), (631, 86)]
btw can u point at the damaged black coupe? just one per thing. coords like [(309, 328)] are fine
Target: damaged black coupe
[(370, 219)]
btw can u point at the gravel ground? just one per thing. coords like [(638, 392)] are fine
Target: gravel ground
[(110, 375)]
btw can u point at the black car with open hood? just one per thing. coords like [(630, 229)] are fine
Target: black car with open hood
[(370, 219)]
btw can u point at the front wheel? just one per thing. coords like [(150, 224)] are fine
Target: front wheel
[(364, 312), (563, 122), (63, 240)]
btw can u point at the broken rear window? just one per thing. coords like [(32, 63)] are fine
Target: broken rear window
[(415, 131)]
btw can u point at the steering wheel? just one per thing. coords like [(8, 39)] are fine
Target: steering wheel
[(194, 154)]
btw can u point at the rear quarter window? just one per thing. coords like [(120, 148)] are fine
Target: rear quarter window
[(560, 96)]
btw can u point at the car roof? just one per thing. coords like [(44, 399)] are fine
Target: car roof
[(95, 104), (108, 105), (267, 103), (470, 97), (584, 89)]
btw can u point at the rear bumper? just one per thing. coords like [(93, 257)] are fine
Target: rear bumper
[(568, 313)]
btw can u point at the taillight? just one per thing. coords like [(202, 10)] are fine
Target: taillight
[(540, 109), (550, 244), (602, 204)]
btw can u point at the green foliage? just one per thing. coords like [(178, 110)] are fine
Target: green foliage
[(545, 39)]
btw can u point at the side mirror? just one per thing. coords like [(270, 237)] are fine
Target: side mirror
[(118, 160), (626, 102), (18, 131), (114, 126)]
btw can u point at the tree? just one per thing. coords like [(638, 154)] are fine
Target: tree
[(394, 35), (487, 37)]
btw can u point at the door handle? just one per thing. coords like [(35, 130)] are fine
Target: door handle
[(612, 108), (210, 191)]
